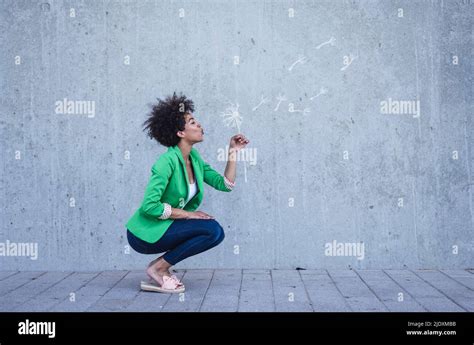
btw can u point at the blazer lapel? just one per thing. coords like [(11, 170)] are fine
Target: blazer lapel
[(183, 166), (195, 165), (197, 172)]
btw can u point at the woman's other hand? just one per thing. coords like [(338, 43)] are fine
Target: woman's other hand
[(199, 215)]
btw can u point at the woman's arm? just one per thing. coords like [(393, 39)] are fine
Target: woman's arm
[(177, 213), (229, 172), (152, 206), (237, 142), (160, 174)]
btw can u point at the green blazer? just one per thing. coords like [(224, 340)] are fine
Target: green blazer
[(168, 186)]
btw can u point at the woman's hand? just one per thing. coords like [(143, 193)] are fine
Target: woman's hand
[(238, 142), (199, 215)]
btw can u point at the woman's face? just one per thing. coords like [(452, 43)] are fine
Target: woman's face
[(193, 131)]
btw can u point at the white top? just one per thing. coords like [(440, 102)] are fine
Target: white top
[(192, 191)]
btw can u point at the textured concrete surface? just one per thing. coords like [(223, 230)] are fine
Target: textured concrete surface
[(233, 290), (310, 78)]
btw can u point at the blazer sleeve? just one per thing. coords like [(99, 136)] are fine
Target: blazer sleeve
[(161, 173), (216, 180)]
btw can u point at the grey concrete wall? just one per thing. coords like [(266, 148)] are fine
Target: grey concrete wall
[(309, 80)]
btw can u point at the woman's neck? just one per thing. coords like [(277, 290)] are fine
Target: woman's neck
[(185, 150)]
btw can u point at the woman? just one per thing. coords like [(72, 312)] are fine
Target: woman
[(167, 220)]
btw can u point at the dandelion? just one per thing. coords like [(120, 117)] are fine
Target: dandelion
[(232, 118)]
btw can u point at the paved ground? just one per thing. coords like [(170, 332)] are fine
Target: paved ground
[(242, 290)]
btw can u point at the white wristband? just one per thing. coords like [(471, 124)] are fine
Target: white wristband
[(228, 183), (166, 212)]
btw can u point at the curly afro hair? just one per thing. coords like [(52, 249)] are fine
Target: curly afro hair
[(167, 117)]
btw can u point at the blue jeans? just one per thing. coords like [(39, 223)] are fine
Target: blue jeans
[(184, 238)]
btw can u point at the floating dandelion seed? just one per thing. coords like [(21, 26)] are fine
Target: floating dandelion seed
[(331, 42), (322, 91), (300, 60), (280, 98), (263, 100)]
